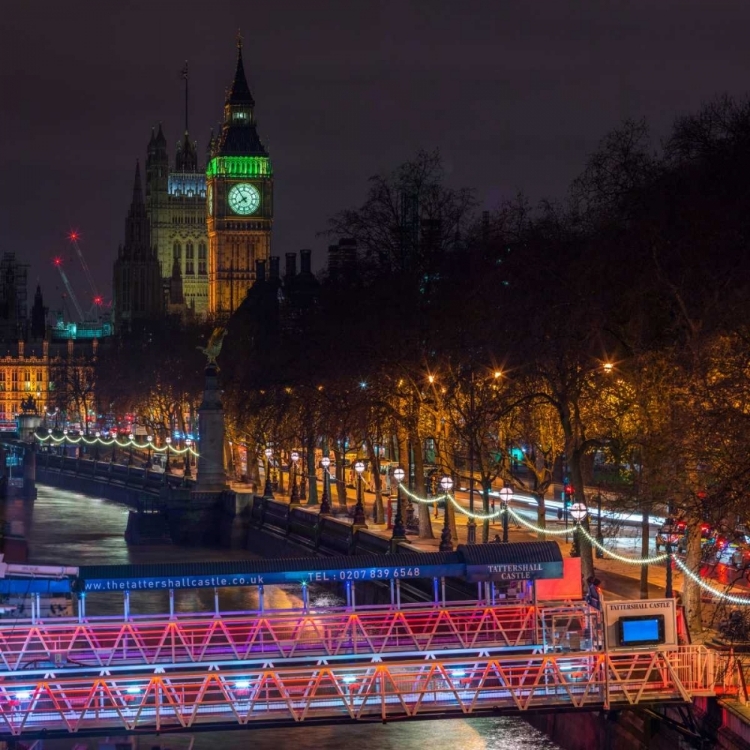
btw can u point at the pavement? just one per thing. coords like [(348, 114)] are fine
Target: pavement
[(620, 580)]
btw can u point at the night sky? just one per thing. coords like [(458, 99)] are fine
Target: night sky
[(515, 95)]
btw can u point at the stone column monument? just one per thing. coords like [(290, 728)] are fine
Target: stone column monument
[(211, 474)]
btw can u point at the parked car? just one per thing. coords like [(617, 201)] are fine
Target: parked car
[(678, 535), (741, 555), (673, 533)]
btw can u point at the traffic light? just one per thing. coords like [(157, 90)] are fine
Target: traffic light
[(569, 490)]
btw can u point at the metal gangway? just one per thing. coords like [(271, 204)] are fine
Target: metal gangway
[(493, 654), (187, 699), (333, 633)]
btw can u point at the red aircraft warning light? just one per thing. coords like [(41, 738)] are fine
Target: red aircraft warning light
[(57, 261), (73, 236), (98, 301)]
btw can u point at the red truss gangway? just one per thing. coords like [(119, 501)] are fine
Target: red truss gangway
[(190, 639), (329, 693)]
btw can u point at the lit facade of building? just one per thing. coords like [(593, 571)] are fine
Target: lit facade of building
[(24, 372), (58, 376), (176, 208)]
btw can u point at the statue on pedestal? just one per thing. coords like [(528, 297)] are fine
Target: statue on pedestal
[(213, 347), (28, 405)]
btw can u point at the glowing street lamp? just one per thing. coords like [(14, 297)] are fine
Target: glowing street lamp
[(149, 440), (268, 490), (359, 508), (167, 465), (506, 494), (130, 456), (446, 543), (96, 445), (294, 496), (399, 532), (325, 504)]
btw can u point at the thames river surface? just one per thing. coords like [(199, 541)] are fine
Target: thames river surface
[(65, 528)]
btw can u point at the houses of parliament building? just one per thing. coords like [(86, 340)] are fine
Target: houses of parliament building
[(194, 233)]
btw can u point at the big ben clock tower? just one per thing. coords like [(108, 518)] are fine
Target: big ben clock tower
[(239, 201)]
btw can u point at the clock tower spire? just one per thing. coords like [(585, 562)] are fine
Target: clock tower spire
[(239, 198)]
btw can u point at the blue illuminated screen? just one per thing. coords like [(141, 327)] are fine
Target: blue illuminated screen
[(637, 630)]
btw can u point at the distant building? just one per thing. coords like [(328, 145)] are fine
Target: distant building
[(59, 377), (24, 372), (176, 209), (239, 199), (342, 258), (13, 298), (136, 285), (38, 316), (208, 225), (275, 307)]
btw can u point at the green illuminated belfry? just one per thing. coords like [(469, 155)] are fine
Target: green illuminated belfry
[(239, 195)]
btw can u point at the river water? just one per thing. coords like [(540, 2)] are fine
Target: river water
[(66, 528)]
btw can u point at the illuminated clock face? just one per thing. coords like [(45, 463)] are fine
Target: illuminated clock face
[(244, 199), (210, 200)]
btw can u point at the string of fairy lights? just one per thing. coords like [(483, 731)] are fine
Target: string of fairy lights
[(114, 442), (652, 560)]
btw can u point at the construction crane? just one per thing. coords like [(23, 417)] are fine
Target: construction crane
[(74, 236), (71, 294)]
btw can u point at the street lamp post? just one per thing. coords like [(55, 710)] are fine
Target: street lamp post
[(578, 512), (303, 478), (359, 508), (506, 493), (113, 438), (188, 443), (668, 530), (325, 504), (268, 489), (97, 435), (130, 455), (294, 496), (599, 537), (149, 440), (399, 532), (471, 525), (446, 543), (167, 465)]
